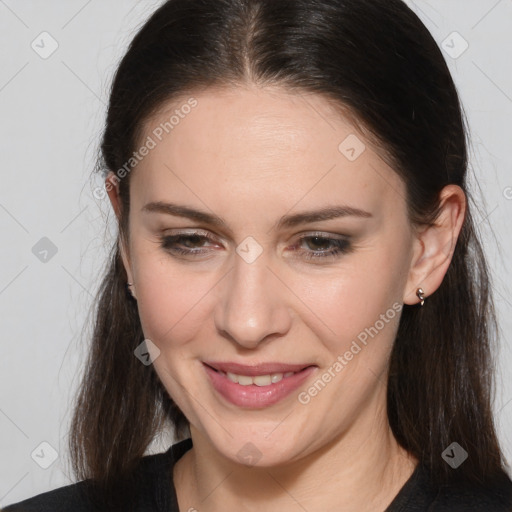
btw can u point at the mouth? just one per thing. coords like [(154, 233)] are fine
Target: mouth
[(260, 375), (256, 386)]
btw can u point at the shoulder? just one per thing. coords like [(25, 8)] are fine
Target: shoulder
[(420, 494), (495, 497), (70, 497), (76, 498)]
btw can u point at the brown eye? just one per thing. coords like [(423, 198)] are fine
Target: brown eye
[(185, 244), (316, 243), (191, 241), (317, 247)]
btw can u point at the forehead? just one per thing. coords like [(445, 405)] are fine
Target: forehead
[(251, 146)]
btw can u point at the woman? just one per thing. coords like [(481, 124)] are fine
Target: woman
[(297, 251)]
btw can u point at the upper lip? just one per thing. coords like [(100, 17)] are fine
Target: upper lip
[(257, 369)]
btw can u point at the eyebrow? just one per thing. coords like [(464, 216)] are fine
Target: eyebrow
[(184, 211), (327, 213), (287, 221)]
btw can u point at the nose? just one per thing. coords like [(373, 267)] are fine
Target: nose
[(252, 306)]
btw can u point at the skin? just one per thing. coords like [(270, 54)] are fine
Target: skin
[(250, 156)]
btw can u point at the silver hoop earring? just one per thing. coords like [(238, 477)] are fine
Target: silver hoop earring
[(421, 295)]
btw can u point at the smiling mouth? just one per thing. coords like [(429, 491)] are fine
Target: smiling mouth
[(261, 375), (258, 380), (256, 386)]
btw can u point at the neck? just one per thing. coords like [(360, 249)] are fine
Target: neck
[(361, 470)]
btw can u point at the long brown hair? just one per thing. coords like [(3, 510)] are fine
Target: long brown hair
[(377, 60)]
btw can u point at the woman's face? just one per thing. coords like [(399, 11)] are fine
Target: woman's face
[(300, 256)]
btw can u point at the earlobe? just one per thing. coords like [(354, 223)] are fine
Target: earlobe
[(127, 266), (112, 187), (131, 289), (435, 246)]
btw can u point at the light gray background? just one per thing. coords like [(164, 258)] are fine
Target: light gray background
[(52, 111)]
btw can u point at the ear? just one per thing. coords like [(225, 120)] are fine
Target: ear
[(434, 245), (112, 186)]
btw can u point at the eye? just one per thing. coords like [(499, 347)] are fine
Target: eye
[(322, 246), (187, 244), (317, 242)]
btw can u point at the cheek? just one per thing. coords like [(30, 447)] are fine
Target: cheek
[(172, 302), (355, 313)]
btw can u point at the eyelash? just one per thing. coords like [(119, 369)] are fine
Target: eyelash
[(169, 243), (340, 245)]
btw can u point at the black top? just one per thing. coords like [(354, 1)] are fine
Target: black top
[(155, 494)]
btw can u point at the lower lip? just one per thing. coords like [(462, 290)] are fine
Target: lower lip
[(256, 397)]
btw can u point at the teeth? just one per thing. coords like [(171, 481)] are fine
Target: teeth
[(258, 380), (244, 380), (266, 380)]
